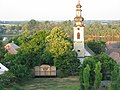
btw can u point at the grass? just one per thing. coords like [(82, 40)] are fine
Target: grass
[(69, 83)]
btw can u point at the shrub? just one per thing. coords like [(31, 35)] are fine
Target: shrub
[(16, 87), (68, 63), (21, 72), (7, 79), (60, 74), (1, 87)]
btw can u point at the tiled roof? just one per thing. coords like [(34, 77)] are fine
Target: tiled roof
[(11, 47), (115, 56), (113, 49)]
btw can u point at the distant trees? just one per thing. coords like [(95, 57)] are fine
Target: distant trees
[(92, 29)]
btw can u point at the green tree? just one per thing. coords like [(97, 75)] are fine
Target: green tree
[(115, 78), (98, 75), (81, 77), (107, 65), (91, 62), (68, 63), (57, 42), (86, 75), (96, 46)]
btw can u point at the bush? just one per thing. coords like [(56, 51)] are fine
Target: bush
[(16, 87), (7, 79), (21, 72), (68, 63), (1, 87), (60, 74)]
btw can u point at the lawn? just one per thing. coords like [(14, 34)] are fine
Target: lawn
[(68, 83)]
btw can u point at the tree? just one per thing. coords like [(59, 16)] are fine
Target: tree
[(32, 24), (86, 75), (115, 78), (57, 42), (91, 62), (81, 77), (68, 63), (98, 75), (29, 54), (107, 65), (96, 46)]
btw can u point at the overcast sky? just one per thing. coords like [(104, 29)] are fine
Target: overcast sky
[(58, 9)]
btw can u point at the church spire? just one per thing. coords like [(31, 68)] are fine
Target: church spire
[(78, 19), (78, 1)]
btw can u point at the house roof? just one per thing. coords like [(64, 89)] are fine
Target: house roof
[(113, 49), (2, 69), (115, 56), (11, 47)]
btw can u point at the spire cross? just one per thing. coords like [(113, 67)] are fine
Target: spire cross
[(78, 1)]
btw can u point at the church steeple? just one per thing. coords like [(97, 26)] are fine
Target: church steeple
[(79, 32), (78, 19)]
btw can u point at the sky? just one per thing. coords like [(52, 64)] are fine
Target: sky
[(12, 10)]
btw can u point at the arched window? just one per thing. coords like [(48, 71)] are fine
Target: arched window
[(78, 35)]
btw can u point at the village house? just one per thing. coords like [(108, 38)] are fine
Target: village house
[(113, 50)]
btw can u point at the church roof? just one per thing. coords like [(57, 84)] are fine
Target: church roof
[(88, 51)]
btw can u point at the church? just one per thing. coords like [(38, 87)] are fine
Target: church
[(79, 43)]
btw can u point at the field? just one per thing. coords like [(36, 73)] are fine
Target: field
[(69, 83)]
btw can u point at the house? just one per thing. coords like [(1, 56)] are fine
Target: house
[(2, 69), (113, 50), (12, 48)]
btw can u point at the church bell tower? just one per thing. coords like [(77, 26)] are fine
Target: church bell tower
[(79, 32)]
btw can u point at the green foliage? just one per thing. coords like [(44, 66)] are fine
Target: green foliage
[(21, 72), (101, 66), (57, 42), (29, 55), (68, 63), (98, 75), (31, 25), (115, 78), (91, 62), (86, 75), (107, 65), (47, 58), (2, 50), (1, 87), (81, 77), (7, 79), (96, 46), (16, 87)]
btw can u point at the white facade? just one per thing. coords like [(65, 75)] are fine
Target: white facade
[(81, 31)]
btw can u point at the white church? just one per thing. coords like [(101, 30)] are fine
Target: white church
[(79, 45)]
